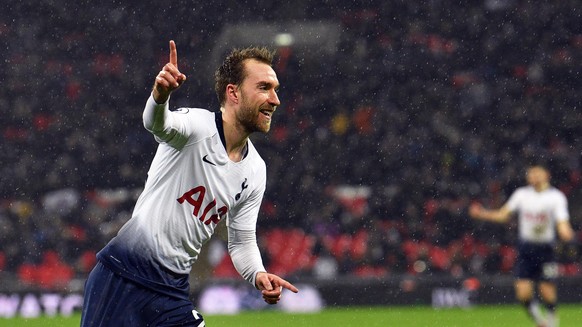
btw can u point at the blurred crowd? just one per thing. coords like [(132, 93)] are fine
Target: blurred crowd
[(374, 154)]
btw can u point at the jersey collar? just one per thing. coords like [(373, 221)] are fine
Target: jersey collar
[(220, 128)]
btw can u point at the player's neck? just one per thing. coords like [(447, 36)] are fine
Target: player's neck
[(237, 153), (236, 140), (541, 187)]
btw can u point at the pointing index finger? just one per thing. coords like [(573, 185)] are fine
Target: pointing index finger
[(173, 54), (290, 287)]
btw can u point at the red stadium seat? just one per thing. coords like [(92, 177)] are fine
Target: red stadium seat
[(2, 260), (51, 273), (290, 250), (412, 249), (370, 271), (359, 244), (87, 261), (439, 258), (275, 242), (508, 256), (26, 273), (225, 268), (341, 245)]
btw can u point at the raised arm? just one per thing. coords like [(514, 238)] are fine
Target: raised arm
[(501, 215), (156, 115), (169, 78)]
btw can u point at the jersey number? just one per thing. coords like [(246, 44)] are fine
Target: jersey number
[(195, 197)]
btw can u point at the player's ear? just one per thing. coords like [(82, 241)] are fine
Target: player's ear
[(232, 93)]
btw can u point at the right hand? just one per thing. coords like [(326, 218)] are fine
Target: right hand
[(475, 210), (169, 78)]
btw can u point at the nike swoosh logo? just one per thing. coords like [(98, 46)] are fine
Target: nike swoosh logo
[(205, 159)]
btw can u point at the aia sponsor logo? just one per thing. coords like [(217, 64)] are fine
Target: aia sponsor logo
[(211, 213)]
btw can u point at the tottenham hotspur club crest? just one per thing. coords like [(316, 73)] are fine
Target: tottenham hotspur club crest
[(243, 186)]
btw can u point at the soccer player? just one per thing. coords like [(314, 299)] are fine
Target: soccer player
[(205, 170), (542, 209)]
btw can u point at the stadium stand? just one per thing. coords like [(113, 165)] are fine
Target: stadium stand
[(429, 105)]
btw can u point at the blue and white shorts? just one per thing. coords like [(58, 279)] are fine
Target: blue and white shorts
[(536, 262), (112, 300)]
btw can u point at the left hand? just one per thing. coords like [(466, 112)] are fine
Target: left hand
[(272, 286)]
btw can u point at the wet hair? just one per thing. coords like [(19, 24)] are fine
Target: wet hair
[(232, 69), (538, 162)]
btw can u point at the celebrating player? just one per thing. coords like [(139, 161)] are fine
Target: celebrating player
[(542, 210), (205, 170)]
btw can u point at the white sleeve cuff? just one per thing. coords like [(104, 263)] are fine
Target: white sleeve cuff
[(155, 115)]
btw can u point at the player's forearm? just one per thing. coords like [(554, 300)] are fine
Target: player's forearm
[(245, 254), (155, 116), (496, 216), (565, 231)]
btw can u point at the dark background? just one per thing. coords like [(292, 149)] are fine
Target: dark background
[(426, 105)]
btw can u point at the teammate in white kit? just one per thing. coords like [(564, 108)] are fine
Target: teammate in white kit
[(542, 210), (205, 170)]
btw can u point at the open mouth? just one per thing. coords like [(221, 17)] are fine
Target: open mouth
[(267, 113)]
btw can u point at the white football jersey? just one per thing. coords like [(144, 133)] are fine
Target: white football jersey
[(192, 186), (538, 213)]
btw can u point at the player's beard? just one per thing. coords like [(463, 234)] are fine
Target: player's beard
[(250, 117)]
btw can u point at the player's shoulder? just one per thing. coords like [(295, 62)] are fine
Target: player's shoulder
[(254, 153), (199, 120), (524, 190), (255, 157), (198, 112), (554, 191)]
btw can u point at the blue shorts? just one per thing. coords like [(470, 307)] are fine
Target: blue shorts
[(112, 300), (536, 262)]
